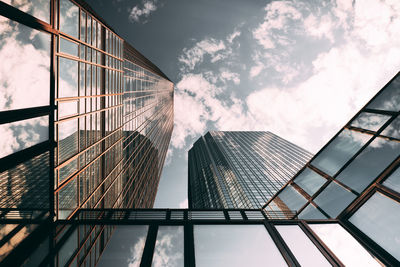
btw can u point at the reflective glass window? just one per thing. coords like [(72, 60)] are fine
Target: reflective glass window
[(67, 139), (306, 253), (69, 47), (389, 98), (67, 199), (393, 181), (339, 151), (370, 121), (69, 18), (309, 181), (168, 250), (19, 135), (379, 219), (67, 108), (235, 245), (37, 8), (371, 162), (393, 129), (334, 199), (343, 245), (68, 80), (68, 249), (25, 66), (292, 199), (125, 247), (310, 212)]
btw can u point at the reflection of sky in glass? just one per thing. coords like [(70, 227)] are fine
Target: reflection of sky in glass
[(25, 66), (68, 78), (301, 246), (389, 98), (235, 245), (372, 161), (19, 135), (168, 250), (37, 8), (370, 121), (309, 181), (68, 139), (393, 181), (393, 129), (339, 151), (125, 247), (68, 47), (343, 245), (334, 199), (293, 199), (311, 212), (379, 219), (69, 18)]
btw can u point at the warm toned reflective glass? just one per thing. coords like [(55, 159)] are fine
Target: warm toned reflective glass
[(393, 181), (68, 81), (379, 219), (309, 181), (292, 198), (393, 129), (69, 47), (25, 66), (168, 250), (370, 121), (311, 212), (334, 199), (389, 98), (371, 162), (343, 245), (125, 247), (67, 139), (339, 151), (69, 18), (306, 253), (67, 199), (235, 245)]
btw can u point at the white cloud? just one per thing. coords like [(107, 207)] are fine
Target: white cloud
[(137, 13), (319, 26), (232, 36), (226, 75), (184, 204)]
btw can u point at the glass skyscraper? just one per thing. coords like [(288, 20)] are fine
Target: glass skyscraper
[(240, 169)]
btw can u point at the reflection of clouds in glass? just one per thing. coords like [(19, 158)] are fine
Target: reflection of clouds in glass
[(24, 72), (37, 8), (136, 253), (393, 129), (19, 135), (68, 86), (169, 247), (370, 121), (69, 14), (389, 98)]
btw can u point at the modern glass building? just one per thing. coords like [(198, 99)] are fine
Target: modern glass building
[(240, 169), (355, 178), (85, 119)]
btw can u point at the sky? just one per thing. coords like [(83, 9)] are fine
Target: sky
[(300, 69)]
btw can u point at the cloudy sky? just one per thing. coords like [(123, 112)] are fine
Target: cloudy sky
[(299, 69)]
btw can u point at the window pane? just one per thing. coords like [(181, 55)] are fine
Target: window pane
[(235, 245), (343, 245), (68, 139), (371, 162), (68, 47), (393, 181), (306, 253), (339, 151), (67, 199), (125, 247), (310, 181), (379, 219), (389, 98), (37, 8), (311, 212), (68, 83), (168, 250), (334, 199), (25, 63), (393, 129), (292, 199), (69, 18), (19, 135), (370, 121)]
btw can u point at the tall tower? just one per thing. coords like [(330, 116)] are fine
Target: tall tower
[(240, 169)]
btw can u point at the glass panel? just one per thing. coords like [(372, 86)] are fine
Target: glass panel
[(370, 121), (19, 135), (379, 219), (339, 151), (292, 199), (389, 98), (393, 181), (67, 108), (67, 199), (311, 212), (68, 139), (37, 8), (235, 245), (67, 170), (393, 129), (125, 247), (343, 245), (168, 250), (69, 18), (25, 63), (334, 199), (69, 47), (68, 86), (369, 164), (301, 246), (310, 181), (68, 249)]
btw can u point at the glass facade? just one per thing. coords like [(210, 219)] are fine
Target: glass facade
[(355, 178), (240, 169)]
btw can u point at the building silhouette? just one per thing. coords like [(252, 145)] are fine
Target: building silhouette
[(240, 169)]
